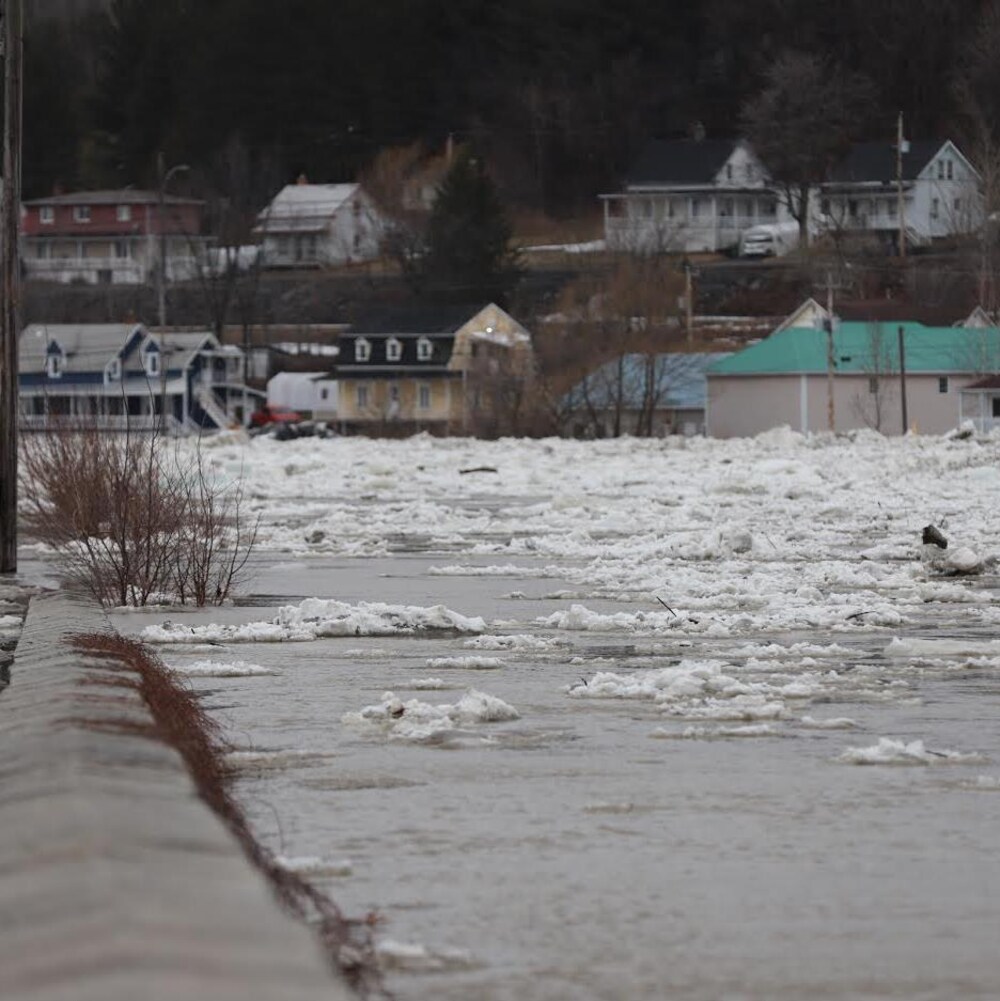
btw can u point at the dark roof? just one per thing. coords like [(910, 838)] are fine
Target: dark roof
[(413, 318), (876, 161), (122, 196), (680, 161)]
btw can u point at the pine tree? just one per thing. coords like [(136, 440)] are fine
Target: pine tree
[(468, 235)]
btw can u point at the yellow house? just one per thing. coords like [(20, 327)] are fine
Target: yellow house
[(462, 379)]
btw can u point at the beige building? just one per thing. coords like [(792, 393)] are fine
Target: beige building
[(464, 377), (786, 379)]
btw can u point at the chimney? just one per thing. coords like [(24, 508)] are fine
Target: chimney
[(302, 179)]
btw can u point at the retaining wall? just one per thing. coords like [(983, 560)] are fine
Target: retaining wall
[(117, 883)]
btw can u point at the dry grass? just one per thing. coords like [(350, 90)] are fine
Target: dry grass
[(180, 722)]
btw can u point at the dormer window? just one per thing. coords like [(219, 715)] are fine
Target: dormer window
[(729, 171), (54, 361), (81, 213), (113, 370), (362, 349), (46, 215), (151, 360), (424, 349), (393, 349)]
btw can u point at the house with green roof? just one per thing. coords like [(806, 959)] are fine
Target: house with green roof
[(890, 377)]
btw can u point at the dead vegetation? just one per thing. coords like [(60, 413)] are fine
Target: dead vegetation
[(134, 519), (179, 721)]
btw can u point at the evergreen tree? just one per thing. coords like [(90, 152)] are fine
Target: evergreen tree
[(468, 235)]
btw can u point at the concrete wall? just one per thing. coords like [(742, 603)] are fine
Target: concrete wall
[(116, 881)]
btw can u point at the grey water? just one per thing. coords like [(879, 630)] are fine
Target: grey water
[(588, 850)]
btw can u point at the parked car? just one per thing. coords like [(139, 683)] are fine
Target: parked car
[(769, 240), (273, 415)]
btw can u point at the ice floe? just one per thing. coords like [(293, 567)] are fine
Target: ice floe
[(420, 721), (316, 618), (220, 669), (889, 751)]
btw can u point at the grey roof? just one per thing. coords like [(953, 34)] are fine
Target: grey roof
[(88, 347), (680, 161), (120, 196), (876, 161), (678, 382)]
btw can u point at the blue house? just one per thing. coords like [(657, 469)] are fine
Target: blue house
[(640, 394), (124, 376)]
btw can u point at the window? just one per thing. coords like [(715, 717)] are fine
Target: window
[(122, 249), (695, 207), (424, 397), (824, 207), (393, 349), (46, 215), (81, 213), (151, 361), (943, 384), (113, 370), (996, 406), (852, 208), (872, 384), (424, 349), (935, 208), (940, 170), (362, 349), (751, 172), (123, 213), (958, 205), (890, 208), (951, 170), (324, 393), (362, 394), (394, 393), (54, 360)]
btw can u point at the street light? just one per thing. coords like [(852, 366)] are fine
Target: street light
[(161, 268)]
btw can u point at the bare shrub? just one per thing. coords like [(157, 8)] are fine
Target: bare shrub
[(132, 518)]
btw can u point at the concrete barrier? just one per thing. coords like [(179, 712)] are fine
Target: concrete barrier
[(116, 882)]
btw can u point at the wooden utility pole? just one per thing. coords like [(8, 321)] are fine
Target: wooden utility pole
[(900, 201), (10, 291), (831, 420), (902, 379), (688, 301)]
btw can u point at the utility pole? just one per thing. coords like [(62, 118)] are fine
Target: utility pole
[(688, 301), (902, 378), (900, 201), (161, 265), (10, 283), (831, 416)]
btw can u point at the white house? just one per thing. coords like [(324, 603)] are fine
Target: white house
[(941, 196), (311, 225), (118, 376), (691, 195)]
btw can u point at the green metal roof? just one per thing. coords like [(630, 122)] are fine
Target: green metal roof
[(864, 348)]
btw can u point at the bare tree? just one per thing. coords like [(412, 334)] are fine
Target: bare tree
[(802, 122), (880, 366)]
